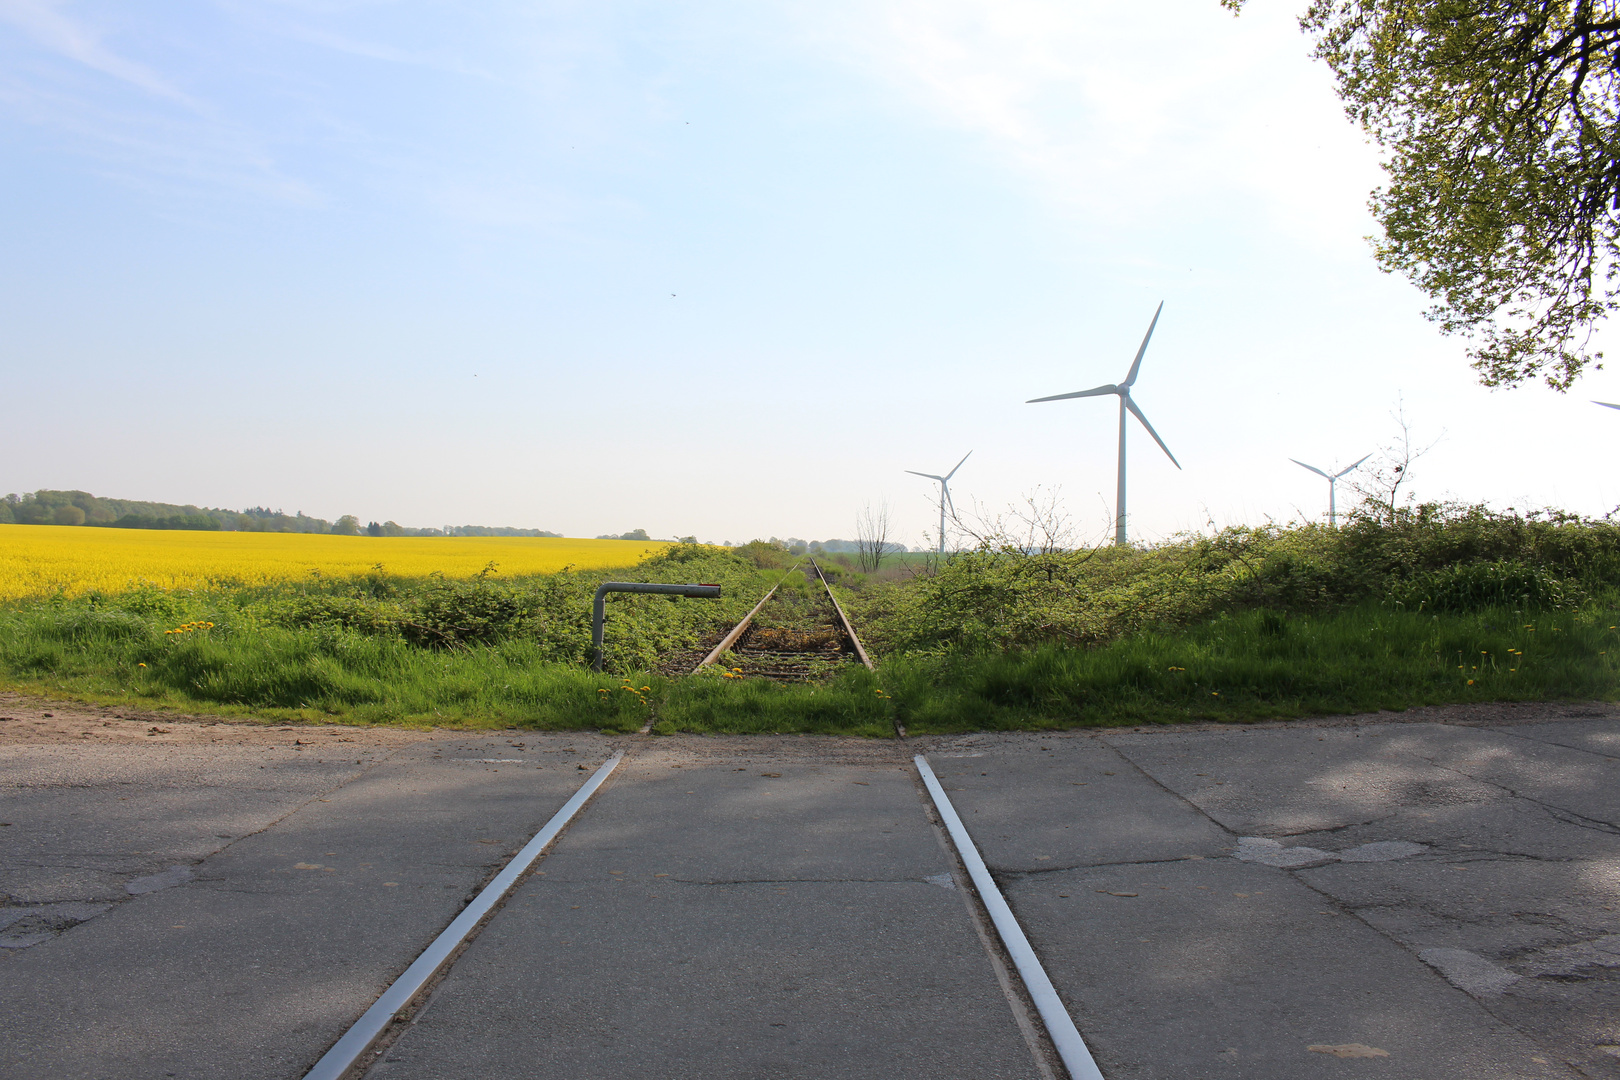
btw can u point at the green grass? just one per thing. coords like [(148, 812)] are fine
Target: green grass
[(1260, 665), (1251, 666)]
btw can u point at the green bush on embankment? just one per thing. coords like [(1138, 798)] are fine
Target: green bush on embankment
[(1438, 605)]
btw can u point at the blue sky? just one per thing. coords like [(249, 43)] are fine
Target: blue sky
[(719, 269)]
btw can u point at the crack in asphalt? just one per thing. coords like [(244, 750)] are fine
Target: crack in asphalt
[(1010, 875), (354, 774), (1555, 742), (1558, 813), (1345, 909), (1331, 828)]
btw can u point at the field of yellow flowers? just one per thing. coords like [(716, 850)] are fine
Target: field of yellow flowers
[(41, 560)]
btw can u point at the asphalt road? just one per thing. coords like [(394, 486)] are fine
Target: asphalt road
[(1373, 897)]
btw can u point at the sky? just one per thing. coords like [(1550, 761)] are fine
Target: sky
[(717, 269)]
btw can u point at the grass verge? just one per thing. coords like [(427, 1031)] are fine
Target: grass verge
[(1254, 665)]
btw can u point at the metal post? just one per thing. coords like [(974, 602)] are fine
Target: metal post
[(599, 606)]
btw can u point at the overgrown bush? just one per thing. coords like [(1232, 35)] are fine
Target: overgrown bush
[(1451, 558)]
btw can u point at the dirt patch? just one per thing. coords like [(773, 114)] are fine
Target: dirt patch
[(34, 721)]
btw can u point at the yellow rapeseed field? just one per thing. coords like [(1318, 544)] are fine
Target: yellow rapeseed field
[(38, 560)]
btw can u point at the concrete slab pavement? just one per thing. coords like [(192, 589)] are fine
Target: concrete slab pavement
[(1234, 956), (1310, 899), (723, 920), (1516, 893), (253, 961)]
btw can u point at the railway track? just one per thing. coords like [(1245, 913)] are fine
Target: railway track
[(392, 1015), (796, 633)]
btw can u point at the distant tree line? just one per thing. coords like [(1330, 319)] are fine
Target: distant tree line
[(47, 507), (832, 547)]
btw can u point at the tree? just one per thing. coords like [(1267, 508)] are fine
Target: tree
[(68, 515), (1380, 483), (872, 537), (347, 525), (1503, 201)]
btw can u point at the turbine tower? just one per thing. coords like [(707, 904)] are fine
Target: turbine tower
[(1123, 389), (1333, 483), (944, 495)]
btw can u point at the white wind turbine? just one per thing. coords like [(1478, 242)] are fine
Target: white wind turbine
[(1333, 483), (1123, 389), (944, 495)]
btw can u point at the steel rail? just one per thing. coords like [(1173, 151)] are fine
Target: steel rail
[(358, 1039), (843, 620), (1060, 1027), (737, 631)]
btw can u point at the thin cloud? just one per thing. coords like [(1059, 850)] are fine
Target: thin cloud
[(48, 25), (1121, 117)]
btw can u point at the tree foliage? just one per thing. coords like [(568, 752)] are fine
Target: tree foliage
[(1498, 118)]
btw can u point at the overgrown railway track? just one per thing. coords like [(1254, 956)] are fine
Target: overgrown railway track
[(794, 634)]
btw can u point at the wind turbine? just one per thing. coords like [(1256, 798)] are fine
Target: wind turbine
[(1125, 405), (944, 495), (1333, 483)]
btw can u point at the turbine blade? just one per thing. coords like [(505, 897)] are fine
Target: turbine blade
[(1319, 472), (1096, 391), (930, 475), (959, 464), (1137, 363), (1352, 468), (1131, 405), (950, 502), (1609, 404)]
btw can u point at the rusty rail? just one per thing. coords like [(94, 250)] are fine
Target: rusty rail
[(737, 631), (843, 620)]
